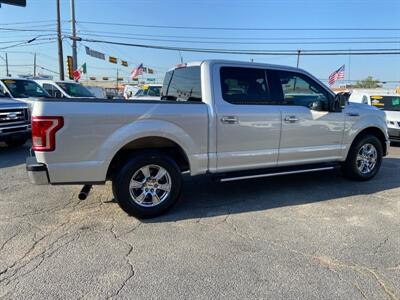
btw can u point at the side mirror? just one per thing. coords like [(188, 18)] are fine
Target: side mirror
[(317, 105), (344, 99), (340, 101)]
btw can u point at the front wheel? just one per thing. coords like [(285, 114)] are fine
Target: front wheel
[(364, 159), (147, 185)]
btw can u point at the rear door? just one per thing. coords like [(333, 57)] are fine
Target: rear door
[(248, 123), (310, 133)]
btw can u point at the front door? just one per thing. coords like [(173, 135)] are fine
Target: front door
[(310, 133), (247, 124)]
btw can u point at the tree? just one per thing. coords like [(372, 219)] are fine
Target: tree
[(368, 83)]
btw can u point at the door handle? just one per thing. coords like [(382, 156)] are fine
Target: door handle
[(229, 120), (291, 119), (353, 114)]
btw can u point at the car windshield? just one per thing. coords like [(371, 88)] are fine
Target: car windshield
[(386, 102), (20, 88), (153, 91), (75, 89)]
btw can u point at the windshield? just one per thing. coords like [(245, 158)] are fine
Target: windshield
[(153, 91), (75, 89), (386, 102), (20, 88)]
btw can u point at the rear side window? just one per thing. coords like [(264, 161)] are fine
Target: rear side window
[(51, 89), (244, 86), (182, 85)]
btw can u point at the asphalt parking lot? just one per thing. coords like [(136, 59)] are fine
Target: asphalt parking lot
[(304, 236)]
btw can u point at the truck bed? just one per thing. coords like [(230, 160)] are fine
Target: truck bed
[(95, 130)]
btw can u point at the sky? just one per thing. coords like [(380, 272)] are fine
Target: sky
[(39, 16)]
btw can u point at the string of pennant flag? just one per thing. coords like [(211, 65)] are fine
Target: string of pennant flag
[(113, 60)]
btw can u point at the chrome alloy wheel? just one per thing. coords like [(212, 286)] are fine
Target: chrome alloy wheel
[(366, 158), (150, 185)]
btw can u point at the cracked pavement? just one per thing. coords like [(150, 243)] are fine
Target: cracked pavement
[(309, 236)]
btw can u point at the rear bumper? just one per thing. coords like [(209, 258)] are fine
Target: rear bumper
[(37, 172)]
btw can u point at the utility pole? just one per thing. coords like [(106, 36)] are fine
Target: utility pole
[(34, 65), (7, 74), (349, 68), (73, 30), (181, 57), (298, 58), (117, 79), (59, 42)]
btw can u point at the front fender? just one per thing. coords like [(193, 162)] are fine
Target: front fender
[(354, 127)]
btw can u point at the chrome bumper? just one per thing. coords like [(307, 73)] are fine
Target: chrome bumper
[(37, 172)]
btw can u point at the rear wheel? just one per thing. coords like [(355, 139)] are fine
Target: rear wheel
[(364, 159), (147, 185)]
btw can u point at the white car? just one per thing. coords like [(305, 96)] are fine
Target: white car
[(64, 89), (130, 91), (148, 92), (24, 90), (386, 101)]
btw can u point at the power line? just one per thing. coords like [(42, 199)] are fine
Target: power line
[(245, 43), (22, 65), (25, 45), (20, 41), (240, 38), (255, 52), (27, 30), (238, 28), (46, 69), (28, 22)]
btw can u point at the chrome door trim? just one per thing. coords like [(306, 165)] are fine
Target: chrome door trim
[(276, 174)]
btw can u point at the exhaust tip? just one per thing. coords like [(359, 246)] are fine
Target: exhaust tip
[(82, 196), (84, 193)]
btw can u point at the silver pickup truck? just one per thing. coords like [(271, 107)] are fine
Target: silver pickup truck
[(232, 120)]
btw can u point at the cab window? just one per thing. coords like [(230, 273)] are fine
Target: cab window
[(244, 86), (183, 84), (297, 89)]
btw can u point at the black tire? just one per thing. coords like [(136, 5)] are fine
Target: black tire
[(16, 142), (350, 167), (123, 177)]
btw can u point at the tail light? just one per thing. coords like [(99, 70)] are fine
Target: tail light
[(44, 132)]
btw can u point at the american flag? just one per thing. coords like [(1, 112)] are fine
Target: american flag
[(338, 74), (137, 71)]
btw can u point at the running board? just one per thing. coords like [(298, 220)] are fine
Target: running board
[(227, 179)]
